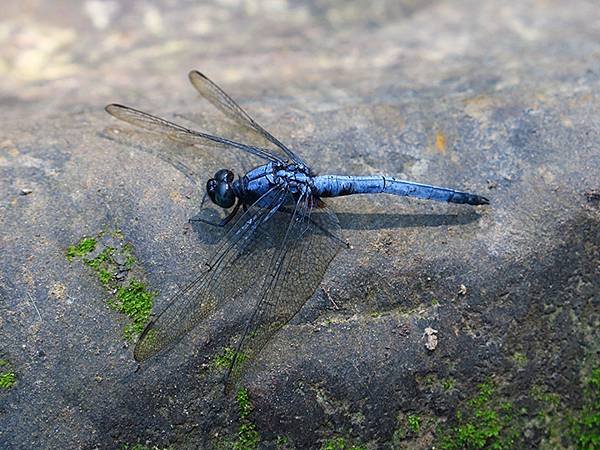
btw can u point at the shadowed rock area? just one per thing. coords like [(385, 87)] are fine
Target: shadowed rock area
[(496, 98)]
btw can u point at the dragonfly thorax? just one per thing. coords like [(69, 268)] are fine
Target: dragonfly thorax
[(293, 177)]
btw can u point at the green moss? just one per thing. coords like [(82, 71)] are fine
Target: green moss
[(135, 301), (520, 359), (489, 421), (408, 427), (142, 447), (7, 379), (429, 380), (448, 384), (82, 248), (414, 423), (585, 426), (334, 444), (130, 297), (248, 437), (486, 422), (339, 443), (128, 253), (539, 393), (103, 265), (105, 276), (244, 405), (282, 441), (225, 359), (103, 258)]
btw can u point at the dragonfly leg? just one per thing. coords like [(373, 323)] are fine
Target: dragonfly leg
[(221, 223), (208, 222), (227, 219)]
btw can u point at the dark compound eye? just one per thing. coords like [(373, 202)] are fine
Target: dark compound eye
[(224, 175), (211, 187), (219, 189), (224, 195)]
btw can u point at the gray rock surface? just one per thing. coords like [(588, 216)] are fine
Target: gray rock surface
[(499, 98)]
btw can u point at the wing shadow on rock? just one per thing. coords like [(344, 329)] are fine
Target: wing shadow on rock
[(210, 234)]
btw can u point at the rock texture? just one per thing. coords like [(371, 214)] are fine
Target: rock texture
[(499, 98)]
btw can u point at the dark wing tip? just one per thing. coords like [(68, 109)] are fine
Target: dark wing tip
[(195, 74), (112, 108), (136, 357), (147, 345)]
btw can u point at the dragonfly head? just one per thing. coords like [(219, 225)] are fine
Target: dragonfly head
[(220, 189)]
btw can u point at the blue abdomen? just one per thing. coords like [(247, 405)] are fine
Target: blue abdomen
[(339, 185)]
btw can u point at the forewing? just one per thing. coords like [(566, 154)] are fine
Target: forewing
[(304, 251), (179, 133), (232, 270), (224, 103)]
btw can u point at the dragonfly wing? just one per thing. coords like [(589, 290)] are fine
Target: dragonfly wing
[(224, 103), (229, 273), (179, 133), (305, 249)]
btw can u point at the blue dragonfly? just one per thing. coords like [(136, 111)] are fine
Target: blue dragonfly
[(276, 252)]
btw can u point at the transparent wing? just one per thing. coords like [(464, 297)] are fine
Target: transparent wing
[(156, 145), (304, 250), (224, 103), (179, 133), (233, 270)]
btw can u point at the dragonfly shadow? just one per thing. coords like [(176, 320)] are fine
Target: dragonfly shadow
[(375, 221), (211, 234), (204, 224)]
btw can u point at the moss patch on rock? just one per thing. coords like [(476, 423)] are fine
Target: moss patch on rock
[(8, 377), (114, 263)]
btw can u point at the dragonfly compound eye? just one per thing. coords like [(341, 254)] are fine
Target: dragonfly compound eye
[(211, 187), (224, 195), (220, 192), (224, 175)]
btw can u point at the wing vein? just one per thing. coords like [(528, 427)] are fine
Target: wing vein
[(177, 132)]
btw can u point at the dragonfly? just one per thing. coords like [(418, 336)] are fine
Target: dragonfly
[(282, 239)]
